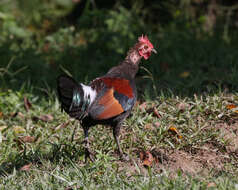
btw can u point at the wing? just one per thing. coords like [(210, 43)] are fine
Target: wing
[(115, 96)]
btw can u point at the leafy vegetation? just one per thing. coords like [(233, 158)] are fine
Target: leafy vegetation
[(182, 133)]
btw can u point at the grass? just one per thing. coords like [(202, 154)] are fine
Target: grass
[(54, 161)]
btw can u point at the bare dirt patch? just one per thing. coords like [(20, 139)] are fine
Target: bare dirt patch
[(201, 159)]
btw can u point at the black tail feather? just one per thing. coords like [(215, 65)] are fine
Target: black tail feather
[(71, 96)]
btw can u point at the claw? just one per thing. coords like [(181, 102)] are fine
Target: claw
[(89, 154), (124, 157)]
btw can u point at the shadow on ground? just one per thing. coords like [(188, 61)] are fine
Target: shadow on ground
[(59, 153)]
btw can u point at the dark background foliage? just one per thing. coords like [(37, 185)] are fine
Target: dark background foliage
[(196, 42)]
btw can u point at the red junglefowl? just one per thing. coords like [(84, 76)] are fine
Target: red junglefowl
[(108, 99)]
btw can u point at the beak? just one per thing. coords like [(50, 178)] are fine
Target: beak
[(153, 50)]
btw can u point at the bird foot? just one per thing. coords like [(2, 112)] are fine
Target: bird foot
[(89, 154), (124, 157)]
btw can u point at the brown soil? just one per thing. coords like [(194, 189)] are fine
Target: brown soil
[(202, 159)]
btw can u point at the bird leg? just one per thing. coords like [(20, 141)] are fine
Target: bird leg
[(116, 131), (88, 152), (72, 137)]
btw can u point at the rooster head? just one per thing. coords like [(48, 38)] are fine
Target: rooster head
[(145, 47)]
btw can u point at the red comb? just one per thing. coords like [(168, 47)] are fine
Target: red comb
[(144, 39)]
